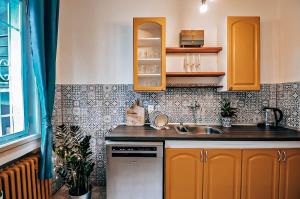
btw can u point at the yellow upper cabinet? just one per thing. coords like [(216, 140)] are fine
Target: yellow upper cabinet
[(149, 54), (243, 53)]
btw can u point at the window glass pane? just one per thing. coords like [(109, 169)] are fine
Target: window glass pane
[(9, 12), (3, 11), (3, 58), (6, 125), (14, 13), (16, 82), (4, 99)]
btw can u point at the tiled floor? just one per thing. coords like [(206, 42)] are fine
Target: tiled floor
[(97, 193)]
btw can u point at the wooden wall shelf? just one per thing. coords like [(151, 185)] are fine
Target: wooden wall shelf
[(175, 85), (195, 74), (194, 50)]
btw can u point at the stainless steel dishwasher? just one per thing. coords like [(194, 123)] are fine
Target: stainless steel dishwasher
[(134, 170)]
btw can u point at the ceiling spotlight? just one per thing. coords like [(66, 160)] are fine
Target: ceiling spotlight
[(203, 7)]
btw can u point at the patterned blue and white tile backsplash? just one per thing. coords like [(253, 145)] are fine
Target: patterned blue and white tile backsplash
[(99, 108), (288, 100)]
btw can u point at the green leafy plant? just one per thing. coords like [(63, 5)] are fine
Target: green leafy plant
[(227, 110), (75, 163)]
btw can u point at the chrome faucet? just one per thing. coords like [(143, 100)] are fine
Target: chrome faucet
[(194, 107), (181, 124)]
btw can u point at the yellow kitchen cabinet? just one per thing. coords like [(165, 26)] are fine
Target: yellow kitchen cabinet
[(183, 174), (232, 174), (271, 173), (290, 174), (243, 53), (260, 173), (222, 174), (149, 54), (207, 174)]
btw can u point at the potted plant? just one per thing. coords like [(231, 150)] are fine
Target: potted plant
[(227, 113), (75, 162)]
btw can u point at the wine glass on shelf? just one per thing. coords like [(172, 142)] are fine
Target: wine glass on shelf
[(152, 70), (145, 53), (142, 69), (158, 69), (186, 63), (146, 71), (157, 53), (193, 62), (198, 65)]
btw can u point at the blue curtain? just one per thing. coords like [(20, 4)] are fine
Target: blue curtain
[(43, 25)]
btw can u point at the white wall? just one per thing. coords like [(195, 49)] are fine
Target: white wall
[(289, 40), (95, 40), (190, 18)]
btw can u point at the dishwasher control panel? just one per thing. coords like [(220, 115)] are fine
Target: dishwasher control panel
[(131, 148)]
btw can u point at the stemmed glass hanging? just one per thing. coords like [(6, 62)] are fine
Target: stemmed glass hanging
[(198, 63), (192, 63)]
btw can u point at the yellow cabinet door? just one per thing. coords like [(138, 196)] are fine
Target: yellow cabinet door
[(243, 58), (290, 174), (183, 174), (222, 174), (149, 54), (260, 174)]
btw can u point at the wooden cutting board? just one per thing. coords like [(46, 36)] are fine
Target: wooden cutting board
[(135, 115)]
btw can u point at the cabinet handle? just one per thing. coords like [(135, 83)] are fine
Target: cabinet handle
[(279, 156), (206, 156), (284, 156), (201, 156)]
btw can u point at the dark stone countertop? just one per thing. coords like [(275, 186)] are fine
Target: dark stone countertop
[(235, 133)]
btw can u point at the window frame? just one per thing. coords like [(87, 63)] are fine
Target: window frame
[(6, 139)]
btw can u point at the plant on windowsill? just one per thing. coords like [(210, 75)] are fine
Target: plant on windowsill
[(75, 160), (228, 113)]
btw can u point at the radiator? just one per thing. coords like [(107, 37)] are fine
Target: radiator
[(20, 181)]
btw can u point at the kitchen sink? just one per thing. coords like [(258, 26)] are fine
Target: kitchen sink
[(197, 130)]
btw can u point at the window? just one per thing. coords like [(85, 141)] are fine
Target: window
[(12, 75)]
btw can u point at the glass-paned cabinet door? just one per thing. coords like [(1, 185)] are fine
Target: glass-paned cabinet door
[(149, 54)]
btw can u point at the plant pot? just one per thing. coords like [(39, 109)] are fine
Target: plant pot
[(226, 122), (85, 196)]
